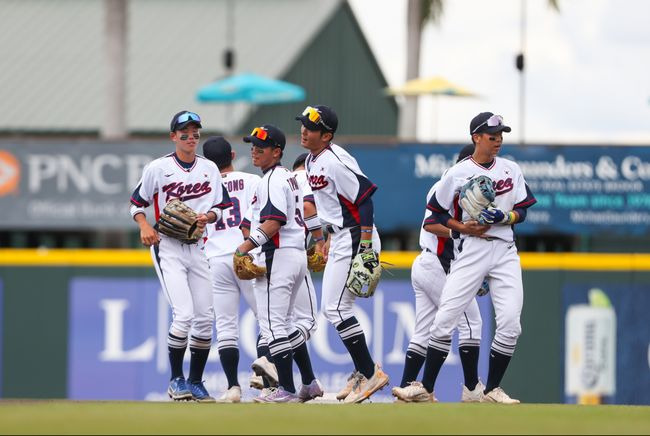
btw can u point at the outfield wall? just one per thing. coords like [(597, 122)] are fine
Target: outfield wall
[(91, 324)]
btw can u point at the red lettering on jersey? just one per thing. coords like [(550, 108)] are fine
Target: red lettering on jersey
[(180, 190), (317, 182), (503, 186)]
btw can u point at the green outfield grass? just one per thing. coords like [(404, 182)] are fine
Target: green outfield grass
[(57, 417)]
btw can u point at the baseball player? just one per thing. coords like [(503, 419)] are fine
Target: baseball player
[(223, 238), (492, 254), (428, 275), (343, 198), (278, 228), (305, 309), (183, 268)]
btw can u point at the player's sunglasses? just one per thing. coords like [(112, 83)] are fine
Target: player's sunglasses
[(188, 116), (493, 121), (314, 116), (260, 133), (185, 136)]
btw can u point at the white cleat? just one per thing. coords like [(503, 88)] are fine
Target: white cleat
[(256, 382), (474, 396), (413, 393), (232, 395), (497, 395), (345, 391), (264, 368), (364, 388)]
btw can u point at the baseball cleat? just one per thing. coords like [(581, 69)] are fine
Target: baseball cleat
[(178, 390), (311, 391), (413, 393), (474, 396), (262, 367), (497, 395), (277, 395), (352, 380), (256, 382), (232, 395), (200, 393), (364, 387)]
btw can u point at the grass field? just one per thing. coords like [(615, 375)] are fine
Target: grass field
[(70, 417)]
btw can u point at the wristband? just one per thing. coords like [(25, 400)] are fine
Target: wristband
[(312, 223), (258, 237), (239, 253), (317, 239), (511, 217), (451, 234), (366, 241), (366, 231)]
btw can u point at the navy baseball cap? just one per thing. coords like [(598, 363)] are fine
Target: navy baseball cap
[(218, 150), (466, 151), (319, 117), (487, 122), (300, 161), (267, 136), (183, 119)]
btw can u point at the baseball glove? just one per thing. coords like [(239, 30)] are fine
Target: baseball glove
[(476, 195), (364, 274), (315, 260), (245, 269), (179, 221)]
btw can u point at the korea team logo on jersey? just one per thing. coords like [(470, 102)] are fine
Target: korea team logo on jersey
[(317, 182)]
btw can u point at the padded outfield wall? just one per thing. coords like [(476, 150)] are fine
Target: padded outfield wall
[(73, 322)]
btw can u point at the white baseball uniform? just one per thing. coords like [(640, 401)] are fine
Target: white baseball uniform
[(339, 187), (494, 256), (278, 197), (183, 268), (305, 307), (223, 238), (428, 276)]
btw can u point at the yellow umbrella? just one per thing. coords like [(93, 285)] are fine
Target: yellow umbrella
[(434, 86), (430, 86)]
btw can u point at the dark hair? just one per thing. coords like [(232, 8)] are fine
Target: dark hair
[(300, 161)]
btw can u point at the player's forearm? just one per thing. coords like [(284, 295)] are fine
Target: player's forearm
[(312, 222), (437, 229), (366, 213), (141, 219), (260, 236)]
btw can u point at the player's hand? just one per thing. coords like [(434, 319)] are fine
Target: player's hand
[(326, 248), (201, 221), (148, 235), (473, 228)]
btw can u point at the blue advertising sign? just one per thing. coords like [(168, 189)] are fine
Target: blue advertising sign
[(118, 342), (630, 302), (579, 189)]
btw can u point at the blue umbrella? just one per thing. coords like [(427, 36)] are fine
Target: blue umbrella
[(250, 88)]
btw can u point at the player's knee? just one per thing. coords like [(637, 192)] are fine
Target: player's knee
[(336, 316), (181, 326), (509, 332)]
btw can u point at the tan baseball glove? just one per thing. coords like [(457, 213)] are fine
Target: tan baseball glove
[(245, 269), (178, 220), (315, 260)]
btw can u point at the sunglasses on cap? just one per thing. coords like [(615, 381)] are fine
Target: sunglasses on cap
[(314, 116), (188, 116), (493, 121), (260, 133)]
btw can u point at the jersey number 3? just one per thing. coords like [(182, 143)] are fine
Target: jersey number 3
[(233, 220)]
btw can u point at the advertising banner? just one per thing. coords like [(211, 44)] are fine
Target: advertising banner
[(579, 189), (118, 342), (590, 355), (79, 184), (87, 185), (629, 302)]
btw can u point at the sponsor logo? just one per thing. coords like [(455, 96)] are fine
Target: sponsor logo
[(9, 173)]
